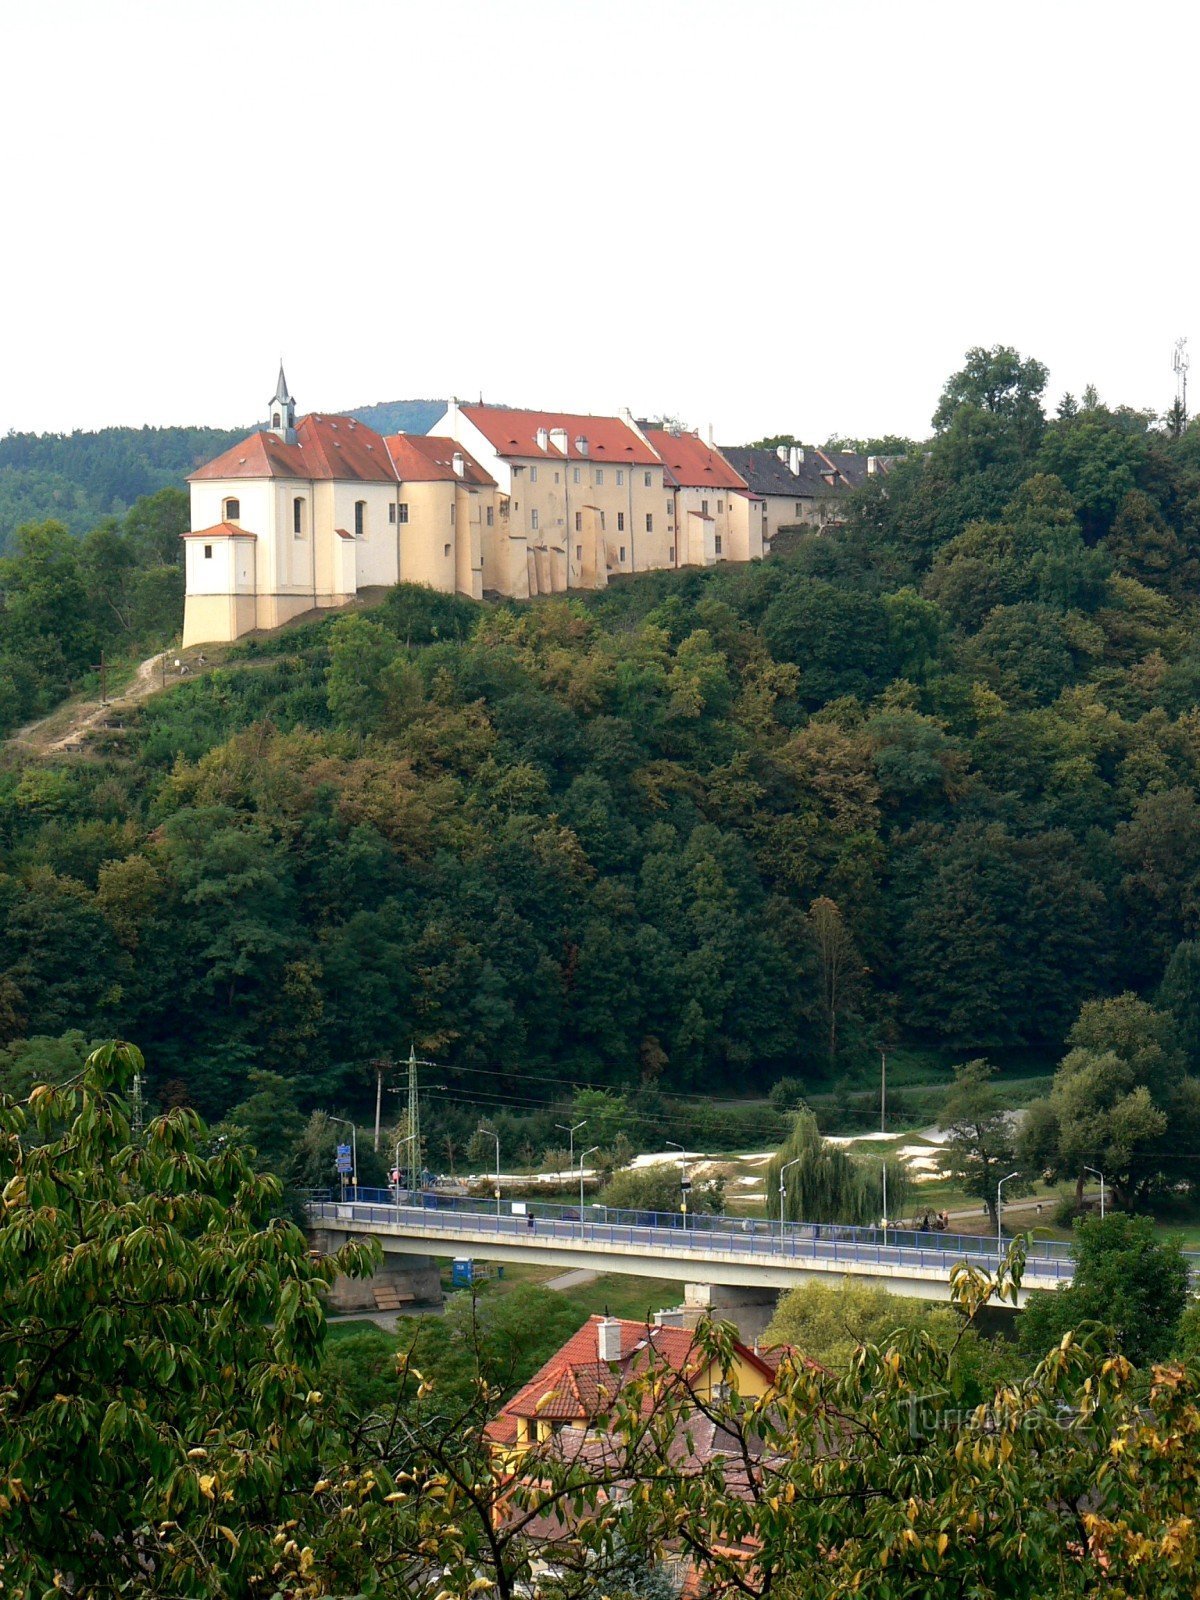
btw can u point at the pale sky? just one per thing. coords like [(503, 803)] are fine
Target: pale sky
[(768, 216)]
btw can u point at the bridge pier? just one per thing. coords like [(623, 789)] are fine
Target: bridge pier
[(415, 1276), (749, 1309)]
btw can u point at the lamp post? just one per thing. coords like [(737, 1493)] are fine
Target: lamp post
[(382, 1065), (783, 1193), (496, 1136), (570, 1133), (583, 1157), (346, 1123), (1100, 1175), (1000, 1210), (400, 1143), (683, 1183)]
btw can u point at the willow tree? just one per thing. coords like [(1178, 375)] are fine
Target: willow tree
[(827, 1183)]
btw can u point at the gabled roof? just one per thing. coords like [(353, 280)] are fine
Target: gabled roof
[(220, 530), (326, 448), (692, 463), (822, 472), (576, 1386), (429, 458), (514, 433)]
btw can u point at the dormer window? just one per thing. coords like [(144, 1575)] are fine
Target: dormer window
[(233, 510), (360, 519)]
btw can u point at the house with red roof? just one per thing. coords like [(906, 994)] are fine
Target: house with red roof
[(581, 497), (717, 516), (305, 514)]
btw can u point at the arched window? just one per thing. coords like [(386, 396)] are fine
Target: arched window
[(233, 510), (275, 420), (360, 519)]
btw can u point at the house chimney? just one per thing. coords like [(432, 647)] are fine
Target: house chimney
[(781, 450), (558, 438), (543, 438), (608, 1339), (710, 436), (872, 466), (795, 459), (581, 445), (460, 466)]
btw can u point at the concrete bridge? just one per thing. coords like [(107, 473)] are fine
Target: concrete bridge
[(731, 1253)]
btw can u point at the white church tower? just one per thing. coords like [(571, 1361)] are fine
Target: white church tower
[(282, 416)]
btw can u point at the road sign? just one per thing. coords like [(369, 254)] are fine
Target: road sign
[(345, 1160)]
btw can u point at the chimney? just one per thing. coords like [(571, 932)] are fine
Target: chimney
[(781, 450), (558, 438), (581, 445), (460, 466), (608, 1339), (543, 438), (710, 436), (795, 459), (872, 466)]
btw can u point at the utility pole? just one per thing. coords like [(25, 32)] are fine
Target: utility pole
[(570, 1132), (102, 668), (883, 1095), (1180, 364), (684, 1185), (135, 1104), (382, 1065), (416, 1155)]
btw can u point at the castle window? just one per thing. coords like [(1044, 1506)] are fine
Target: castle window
[(445, 549), (599, 475), (579, 552), (718, 544), (452, 513), (298, 517), (490, 515), (275, 420), (392, 512), (578, 521), (620, 522), (620, 479), (233, 510), (360, 519), (533, 474), (799, 509), (649, 522), (576, 475), (647, 480), (720, 507), (556, 477), (622, 552), (704, 508), (671, 553), (208, 552), (533, 521), (403, 511)]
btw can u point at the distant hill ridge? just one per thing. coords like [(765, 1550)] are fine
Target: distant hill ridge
[(81, 478)]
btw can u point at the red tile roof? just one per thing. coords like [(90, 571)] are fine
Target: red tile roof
[(429, 458), (692, 463), (575, 1385), (220, 530), (514, 433), (325, 448)]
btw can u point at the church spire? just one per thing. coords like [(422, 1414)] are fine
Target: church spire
[(283, 411)]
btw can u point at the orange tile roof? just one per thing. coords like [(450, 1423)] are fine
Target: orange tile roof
[(220, 530), (692, 463), (575, 1385), (514, 433), (325, 448), (429, 458)]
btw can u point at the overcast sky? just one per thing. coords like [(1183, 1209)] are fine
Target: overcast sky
[(770, 216)]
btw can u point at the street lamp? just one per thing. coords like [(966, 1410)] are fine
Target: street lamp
[(583, 1157), (1000, 1210), (683, 1183), (783, 1192), (570, 1133), (346, 1123), (400, 1143), (496, 1136), (1100, 1175)]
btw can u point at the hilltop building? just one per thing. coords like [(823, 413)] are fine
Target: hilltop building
[(307, 513)]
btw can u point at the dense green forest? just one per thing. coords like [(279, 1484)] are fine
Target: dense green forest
[(80, 479), (931, 778)]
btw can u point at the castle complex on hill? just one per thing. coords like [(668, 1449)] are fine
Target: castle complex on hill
[(305, 514)]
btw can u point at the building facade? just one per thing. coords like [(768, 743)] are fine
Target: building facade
[(306, 514)]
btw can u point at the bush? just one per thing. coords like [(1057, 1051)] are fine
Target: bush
[(787, 1094)]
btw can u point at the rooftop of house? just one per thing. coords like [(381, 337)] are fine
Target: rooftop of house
[(576, 1385), (804, 471), (692, 464), (429, 458), (513, 432), (220, 530), (325, 448)]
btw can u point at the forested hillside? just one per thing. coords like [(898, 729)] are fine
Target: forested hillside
[(79, 478), (931, 778)]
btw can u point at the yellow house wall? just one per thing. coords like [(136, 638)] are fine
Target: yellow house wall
[(427, 538)]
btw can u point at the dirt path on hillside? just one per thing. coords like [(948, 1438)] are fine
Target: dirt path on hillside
[(68, 725)]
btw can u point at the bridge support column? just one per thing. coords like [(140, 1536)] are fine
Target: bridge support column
[(415, 1279), (748, 1309)]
